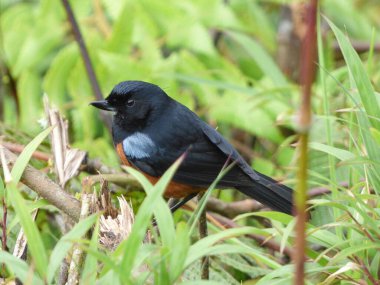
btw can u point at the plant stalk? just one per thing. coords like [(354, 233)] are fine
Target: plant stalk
[(308, 68)]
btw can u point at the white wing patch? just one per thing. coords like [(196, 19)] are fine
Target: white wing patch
[(138, 145)]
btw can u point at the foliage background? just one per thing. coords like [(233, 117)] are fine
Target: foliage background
[(220, 58)]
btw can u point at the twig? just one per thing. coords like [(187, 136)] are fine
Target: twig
[(223, 223), (366, 270), (40, 183), (233, 209), (95, 166), (262, 240), (359, 47), (86, 59), (100, 19), (120, 179), (307, 78), (77, 257), (205, 263), (18, 148), (21, 242), (4, 225), (91, 166)]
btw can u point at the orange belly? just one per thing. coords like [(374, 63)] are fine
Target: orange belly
[(174, 189)]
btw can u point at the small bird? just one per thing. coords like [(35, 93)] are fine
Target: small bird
[(151, 131)]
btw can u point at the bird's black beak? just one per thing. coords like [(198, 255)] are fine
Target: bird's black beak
[(103, 105)]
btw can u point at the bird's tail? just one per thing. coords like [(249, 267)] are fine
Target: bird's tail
[(270, 193)]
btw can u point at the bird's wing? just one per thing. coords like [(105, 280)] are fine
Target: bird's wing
[(224, 146), (206, 154)]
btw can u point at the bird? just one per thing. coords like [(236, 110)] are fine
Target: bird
[(150, 131)]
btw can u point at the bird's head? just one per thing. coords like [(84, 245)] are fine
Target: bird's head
[(134, 103)]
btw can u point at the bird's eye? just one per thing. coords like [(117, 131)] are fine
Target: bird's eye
[(130, 103)]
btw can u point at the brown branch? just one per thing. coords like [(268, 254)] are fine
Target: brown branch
[(86, 59), (40, 183), (18, 148), (91, 166), (233, 209)]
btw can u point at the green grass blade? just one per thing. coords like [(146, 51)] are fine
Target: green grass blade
[(179, 250), (33, 236), (90, 267), (27, 153), (20, 268), (359, 76), (368, 117), (202, 204), (134, 241), (65, 243), (339, 153), (35, 244), (200, 248), (161, 211)]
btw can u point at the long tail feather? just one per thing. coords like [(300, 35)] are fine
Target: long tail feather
[(270, 193)]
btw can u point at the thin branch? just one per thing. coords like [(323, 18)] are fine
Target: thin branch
[(18, 148), (233, 209), (205, 263), (262, 240), (91, 166), (40, 183), (78, 254), (86, 59), (223, 223)]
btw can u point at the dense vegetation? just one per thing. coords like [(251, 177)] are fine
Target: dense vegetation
[(236, 63)]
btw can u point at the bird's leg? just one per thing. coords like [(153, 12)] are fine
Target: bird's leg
[(182, 202), (177, 204)]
